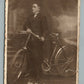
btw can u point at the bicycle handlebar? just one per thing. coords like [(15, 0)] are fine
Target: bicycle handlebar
[(37, 36), (25, 32)]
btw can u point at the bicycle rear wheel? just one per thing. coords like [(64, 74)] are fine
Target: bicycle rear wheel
[(19, 62), (65, 60)]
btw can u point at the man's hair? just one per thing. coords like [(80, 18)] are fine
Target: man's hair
[(38, 3)]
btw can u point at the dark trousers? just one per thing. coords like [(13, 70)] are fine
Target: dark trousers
[(35, 58)]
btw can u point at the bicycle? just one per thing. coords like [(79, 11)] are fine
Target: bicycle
[(61, 61)]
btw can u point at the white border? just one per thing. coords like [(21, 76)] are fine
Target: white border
[(78, 35), (5, 58)]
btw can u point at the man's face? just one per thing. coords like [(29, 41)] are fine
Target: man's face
[(35, 8)]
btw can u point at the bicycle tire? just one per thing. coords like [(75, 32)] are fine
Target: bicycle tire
[(18, 63), (65, 61)]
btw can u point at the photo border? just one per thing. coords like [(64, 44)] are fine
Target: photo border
[(5, 57)]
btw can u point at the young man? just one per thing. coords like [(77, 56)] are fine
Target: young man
[(37, 24)]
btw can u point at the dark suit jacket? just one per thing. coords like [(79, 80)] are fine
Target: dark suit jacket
[(38, 24)]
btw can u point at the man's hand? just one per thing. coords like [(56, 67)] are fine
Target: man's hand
[(25, 48), (29, 30), (42, 38)]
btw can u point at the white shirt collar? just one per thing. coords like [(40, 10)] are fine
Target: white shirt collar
[(35, 15)]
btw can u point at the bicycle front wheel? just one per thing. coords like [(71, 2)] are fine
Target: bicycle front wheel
[(19, 62)]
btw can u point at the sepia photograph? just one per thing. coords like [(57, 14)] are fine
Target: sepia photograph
[(41, 41)]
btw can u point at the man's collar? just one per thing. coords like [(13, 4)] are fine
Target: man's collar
[(35, 15)]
